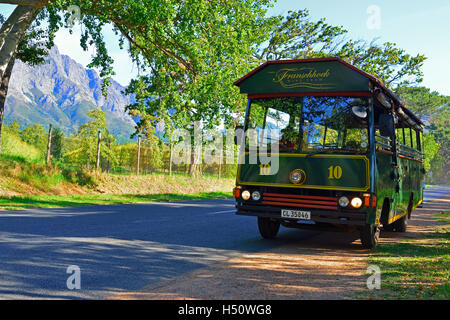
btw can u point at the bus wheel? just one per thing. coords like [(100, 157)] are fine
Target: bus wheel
[(369, 235), (388, 227), (268, 228), (401, 224)]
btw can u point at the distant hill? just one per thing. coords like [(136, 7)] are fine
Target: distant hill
[(61, 92)]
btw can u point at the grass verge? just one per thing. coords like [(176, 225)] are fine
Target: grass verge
[(55, 201), (414, 269)]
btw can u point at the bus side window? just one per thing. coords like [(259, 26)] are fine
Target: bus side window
[(399, 135), (419, 140), (408, 137), (415, 145)]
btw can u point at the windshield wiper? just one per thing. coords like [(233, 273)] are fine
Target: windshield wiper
[(317, 152)]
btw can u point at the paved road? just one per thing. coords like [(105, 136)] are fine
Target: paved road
[(119, 248), (435, 192), (125, 247)]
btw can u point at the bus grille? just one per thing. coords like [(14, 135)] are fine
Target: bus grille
[(300, 201)]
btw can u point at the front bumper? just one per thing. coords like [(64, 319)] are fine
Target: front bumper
[(318, 216)]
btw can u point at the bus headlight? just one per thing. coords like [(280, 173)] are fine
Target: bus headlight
[(356, 203), (256, 195), (245, 195), (343, 201)]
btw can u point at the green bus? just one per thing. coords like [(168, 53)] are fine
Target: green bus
[(331, 149)]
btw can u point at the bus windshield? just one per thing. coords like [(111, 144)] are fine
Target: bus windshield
[(311, 124)]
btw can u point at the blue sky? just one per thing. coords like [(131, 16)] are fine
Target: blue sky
[(416, 26)]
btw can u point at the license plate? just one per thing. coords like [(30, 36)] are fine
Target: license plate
[(293, 214)]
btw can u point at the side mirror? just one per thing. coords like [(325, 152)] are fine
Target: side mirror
[(238, 133), (386, 123), (360, 112)]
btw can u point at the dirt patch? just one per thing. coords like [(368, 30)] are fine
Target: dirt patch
[(423, 221), (324, 266)]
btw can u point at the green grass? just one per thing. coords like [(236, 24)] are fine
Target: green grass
[(54, 201), (414, 269), (13, 145)]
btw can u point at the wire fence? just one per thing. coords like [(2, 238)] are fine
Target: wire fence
[(143, 156)]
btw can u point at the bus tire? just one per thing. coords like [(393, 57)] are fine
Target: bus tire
[(370, 234), (401, 224), (268, 228), (410, 205), (385, 210)]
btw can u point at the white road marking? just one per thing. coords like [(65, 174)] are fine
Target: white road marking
[(228, 211)]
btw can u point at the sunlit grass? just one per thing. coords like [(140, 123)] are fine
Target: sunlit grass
[(415, 269)]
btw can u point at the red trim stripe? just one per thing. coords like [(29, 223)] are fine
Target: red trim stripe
[(405, 157), (298, 196), (300, 201), (386, 152), (312, 94)]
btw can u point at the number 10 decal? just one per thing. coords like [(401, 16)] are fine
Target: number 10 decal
[(264, 170), (335, 172)]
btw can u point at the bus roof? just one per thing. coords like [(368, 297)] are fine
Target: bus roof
[(317, 77)]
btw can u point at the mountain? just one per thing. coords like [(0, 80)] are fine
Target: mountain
[(61, 92)]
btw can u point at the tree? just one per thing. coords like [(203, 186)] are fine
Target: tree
[(434, 109), (24, 37), (14, 128), (421, 100), (440, 130), (35, 135), (191, 66), (430, 149), (82, 146), (184, 39), (58, 139), (392, 65), (296, 36), (196, 84)]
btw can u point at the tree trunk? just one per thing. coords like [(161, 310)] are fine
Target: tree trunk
[(194, 166), (11, 33), (3, 92), (7, 25), (25, 16)]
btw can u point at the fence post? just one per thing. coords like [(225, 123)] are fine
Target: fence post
[(97, 163), (49, 145), (170, 159), (138, 155)]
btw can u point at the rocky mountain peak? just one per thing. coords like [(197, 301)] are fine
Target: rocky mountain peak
[(62, 92)]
